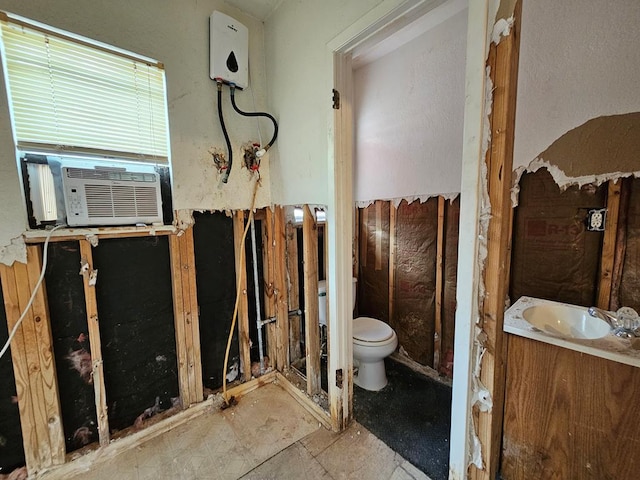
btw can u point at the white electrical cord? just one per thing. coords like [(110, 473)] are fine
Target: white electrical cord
[(33, 294)]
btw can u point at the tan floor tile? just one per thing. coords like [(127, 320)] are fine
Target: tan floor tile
[(295, 462), (318, 441), (413, 471), (268, 435), (359, 454), (269, 422)]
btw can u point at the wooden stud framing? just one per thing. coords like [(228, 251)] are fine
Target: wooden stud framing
[(294, 292), (268, 266), (437, 337), (280, 291), (187, 326), (241, 284), (392, 258), (364, 233), (378, 233), (503, 63), (33, 364), (312, 334), (93, 326), (356, 243), (621, 243), (609, 244)]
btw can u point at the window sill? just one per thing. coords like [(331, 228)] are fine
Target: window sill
[(70, 233)]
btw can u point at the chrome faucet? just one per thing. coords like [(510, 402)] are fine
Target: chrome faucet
[(604, 315), (622, 327)]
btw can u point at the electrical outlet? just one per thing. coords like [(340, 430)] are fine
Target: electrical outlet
[(596, 219)]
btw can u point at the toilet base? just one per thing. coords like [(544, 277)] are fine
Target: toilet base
[(371, 375)]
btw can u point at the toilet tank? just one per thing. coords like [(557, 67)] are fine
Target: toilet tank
[(322, 302)]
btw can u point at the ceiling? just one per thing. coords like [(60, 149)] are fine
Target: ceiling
[(260, 9)]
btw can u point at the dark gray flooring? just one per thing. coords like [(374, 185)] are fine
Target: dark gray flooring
[(412, 415)]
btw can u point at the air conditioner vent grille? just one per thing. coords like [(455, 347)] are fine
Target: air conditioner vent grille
[(113, 175), (120, 201)]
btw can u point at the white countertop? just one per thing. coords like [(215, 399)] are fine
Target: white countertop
[(610, 347)]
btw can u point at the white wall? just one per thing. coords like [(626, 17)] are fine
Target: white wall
[(177, 34), (409, 117), (579, 59), (300, 78)]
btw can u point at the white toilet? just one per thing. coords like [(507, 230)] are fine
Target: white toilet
[(373, 341)]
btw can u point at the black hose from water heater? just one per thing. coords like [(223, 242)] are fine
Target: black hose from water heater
[(255, 114), (226, 173)]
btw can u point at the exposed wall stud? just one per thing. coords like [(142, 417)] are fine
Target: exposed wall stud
[(621, 242), (378, 234), (269, 268), (294, 292), (243, 306), (609, 244), (281, 290), (437, 340), (33, 364), (95, 343), (392, 258), (364, 233), (312, 336), (503, 64)]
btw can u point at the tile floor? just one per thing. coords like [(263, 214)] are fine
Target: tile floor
[(268, 435)]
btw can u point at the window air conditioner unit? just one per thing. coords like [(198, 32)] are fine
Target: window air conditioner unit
[(111, 195)]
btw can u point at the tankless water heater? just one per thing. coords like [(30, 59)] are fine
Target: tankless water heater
[(229, 50)]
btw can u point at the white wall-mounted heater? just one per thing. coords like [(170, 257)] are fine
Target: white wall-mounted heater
[(229, 50)]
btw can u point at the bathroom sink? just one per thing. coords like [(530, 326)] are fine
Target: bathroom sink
[(566, 321)]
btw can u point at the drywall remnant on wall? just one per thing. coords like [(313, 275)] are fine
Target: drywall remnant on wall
[(599, 146), (601, 149), (183, 219), (579, 61), (502, 28), (410, 199), (409, 114), (15, 251)]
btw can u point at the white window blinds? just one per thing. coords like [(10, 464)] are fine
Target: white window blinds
[(69, 94)]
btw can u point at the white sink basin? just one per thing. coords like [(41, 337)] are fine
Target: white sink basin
[(566, 321)]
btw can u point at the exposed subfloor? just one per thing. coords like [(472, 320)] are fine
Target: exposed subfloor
[(268, 435), (412, 415)]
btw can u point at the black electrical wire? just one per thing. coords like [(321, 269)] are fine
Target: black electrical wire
[(225, 176), (255, 114)]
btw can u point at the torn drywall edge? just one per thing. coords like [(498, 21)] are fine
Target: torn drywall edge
[(481, 396), (183, 219), (476, 448), (93, 239), (409, 199), (561, 179), (16, 251), (494, 7), (502, 28)]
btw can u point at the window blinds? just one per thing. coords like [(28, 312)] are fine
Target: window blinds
[(69, 95)]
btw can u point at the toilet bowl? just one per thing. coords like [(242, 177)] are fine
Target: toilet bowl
[(373, 341)]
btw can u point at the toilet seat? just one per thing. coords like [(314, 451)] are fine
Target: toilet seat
[(368, 331)]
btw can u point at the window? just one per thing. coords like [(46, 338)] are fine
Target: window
[(83, 104)]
